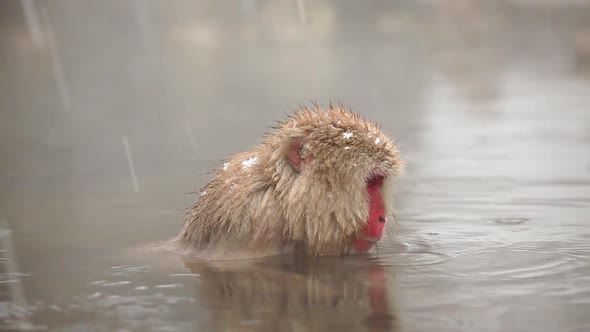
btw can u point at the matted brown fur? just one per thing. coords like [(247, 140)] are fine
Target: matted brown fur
[(259, 204)]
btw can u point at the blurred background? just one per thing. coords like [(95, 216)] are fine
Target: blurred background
[(111, 111), (187, 82)]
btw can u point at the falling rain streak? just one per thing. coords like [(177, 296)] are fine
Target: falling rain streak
[(32, 19), (301, 11), (56, 63), (130, 163)]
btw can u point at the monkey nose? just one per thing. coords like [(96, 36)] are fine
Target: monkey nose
[(382, 219)]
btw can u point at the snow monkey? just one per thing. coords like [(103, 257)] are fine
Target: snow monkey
[(320, 183)]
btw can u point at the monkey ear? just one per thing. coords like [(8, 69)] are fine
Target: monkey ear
[(294, 154)]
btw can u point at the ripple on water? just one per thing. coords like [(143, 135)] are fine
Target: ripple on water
[(510, 221), (432, 320), (139, 312), (123, 295), (168, 286), (556, 268), (420, 253), (432, 248), (525, 262)]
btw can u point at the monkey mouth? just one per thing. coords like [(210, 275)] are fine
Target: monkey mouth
[(368, 239), (364, 244)]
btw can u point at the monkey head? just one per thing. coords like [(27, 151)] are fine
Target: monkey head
[(342, 170)]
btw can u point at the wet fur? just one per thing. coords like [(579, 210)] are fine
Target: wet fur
[(254, 209)]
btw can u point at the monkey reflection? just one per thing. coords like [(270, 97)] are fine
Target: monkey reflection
[(296, 293)]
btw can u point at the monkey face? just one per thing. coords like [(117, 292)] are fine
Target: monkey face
[(373, 231)]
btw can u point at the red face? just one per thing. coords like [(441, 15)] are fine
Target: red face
[(377, 219)]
